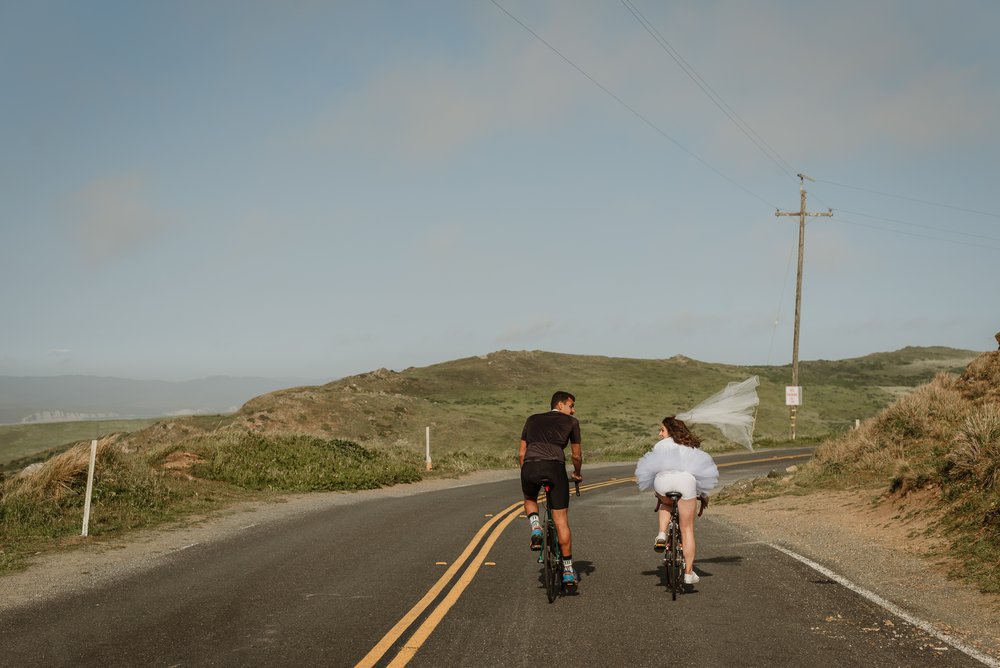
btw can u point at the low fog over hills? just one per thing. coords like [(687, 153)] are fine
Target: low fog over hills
[(61, 398)]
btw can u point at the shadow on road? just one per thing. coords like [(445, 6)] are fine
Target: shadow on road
[(721, 560), (583, 570)]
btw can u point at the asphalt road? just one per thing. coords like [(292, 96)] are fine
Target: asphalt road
[(445, 578)]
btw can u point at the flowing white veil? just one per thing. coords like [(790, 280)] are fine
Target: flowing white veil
[(730, 410)]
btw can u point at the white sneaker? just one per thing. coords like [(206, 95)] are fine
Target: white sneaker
[(691, 578)]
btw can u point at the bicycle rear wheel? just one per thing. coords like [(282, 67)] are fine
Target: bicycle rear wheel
[(553, 576), (673, 561)]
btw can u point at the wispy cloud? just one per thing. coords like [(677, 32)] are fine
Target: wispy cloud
[(812, 91), (61, 357), (426, 109), (113, 216), (526, 333)]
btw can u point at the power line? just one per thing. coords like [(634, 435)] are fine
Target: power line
[(912, 199), (914, 234), (709, 92), (926, 227), (631, 109), (781, 301), (734, 117)]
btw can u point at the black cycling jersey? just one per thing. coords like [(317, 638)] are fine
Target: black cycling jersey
[(547, 434)]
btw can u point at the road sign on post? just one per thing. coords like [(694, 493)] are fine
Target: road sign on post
[(793, 395)]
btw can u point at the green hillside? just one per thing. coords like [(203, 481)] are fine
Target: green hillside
[(367, 431), (478, 404)]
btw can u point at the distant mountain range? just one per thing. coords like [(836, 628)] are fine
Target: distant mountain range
[(72, 398)]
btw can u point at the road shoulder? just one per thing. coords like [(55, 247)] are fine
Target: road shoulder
[(884, 548), (96, 561)]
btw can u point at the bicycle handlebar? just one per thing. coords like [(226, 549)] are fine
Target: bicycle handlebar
[(576, 483)]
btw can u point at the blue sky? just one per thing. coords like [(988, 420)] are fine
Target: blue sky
[(315, 189)]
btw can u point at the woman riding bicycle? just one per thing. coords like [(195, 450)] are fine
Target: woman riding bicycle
[(677, 464)]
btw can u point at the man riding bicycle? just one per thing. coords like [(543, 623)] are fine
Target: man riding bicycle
[(543, 457)]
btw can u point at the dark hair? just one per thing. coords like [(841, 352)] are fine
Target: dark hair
[(680, 432), (560, 397)]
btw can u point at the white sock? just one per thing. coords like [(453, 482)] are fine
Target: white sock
[(662, 534), (533, 518)]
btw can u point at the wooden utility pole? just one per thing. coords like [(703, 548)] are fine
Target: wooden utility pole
[(801, 213)]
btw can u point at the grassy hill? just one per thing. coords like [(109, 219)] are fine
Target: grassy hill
[(367, 431), (478, 404)]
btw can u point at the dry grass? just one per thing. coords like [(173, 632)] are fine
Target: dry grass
[(976, 452), (58, 478), (942, 439)]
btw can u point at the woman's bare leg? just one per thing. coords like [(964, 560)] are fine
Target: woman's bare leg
[(663, 515), (686, 510)]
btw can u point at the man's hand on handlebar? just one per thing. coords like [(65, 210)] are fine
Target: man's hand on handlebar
[(576, 477)]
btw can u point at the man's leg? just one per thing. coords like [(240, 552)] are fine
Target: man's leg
[(530, 507), (529, 489), (561, 520), (531, 512)]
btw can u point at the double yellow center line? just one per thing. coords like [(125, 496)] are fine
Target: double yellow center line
[(494, 527)]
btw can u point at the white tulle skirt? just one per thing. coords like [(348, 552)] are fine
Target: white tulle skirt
[(669, 456)]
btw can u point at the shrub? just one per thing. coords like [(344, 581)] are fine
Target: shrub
[(975, 456), (465, 461), (300, 463)]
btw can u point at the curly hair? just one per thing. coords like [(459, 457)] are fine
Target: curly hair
[(680, 432)]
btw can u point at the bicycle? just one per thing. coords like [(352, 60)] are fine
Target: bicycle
[(551, 555), (674, 563), (673, 556)]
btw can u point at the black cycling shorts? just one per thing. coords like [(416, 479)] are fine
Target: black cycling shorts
[(535, 471)]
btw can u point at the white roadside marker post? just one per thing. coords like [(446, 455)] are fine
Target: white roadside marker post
[(427, 434), (90, 486)]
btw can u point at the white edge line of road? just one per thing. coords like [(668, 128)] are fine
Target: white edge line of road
[(894, 609)]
